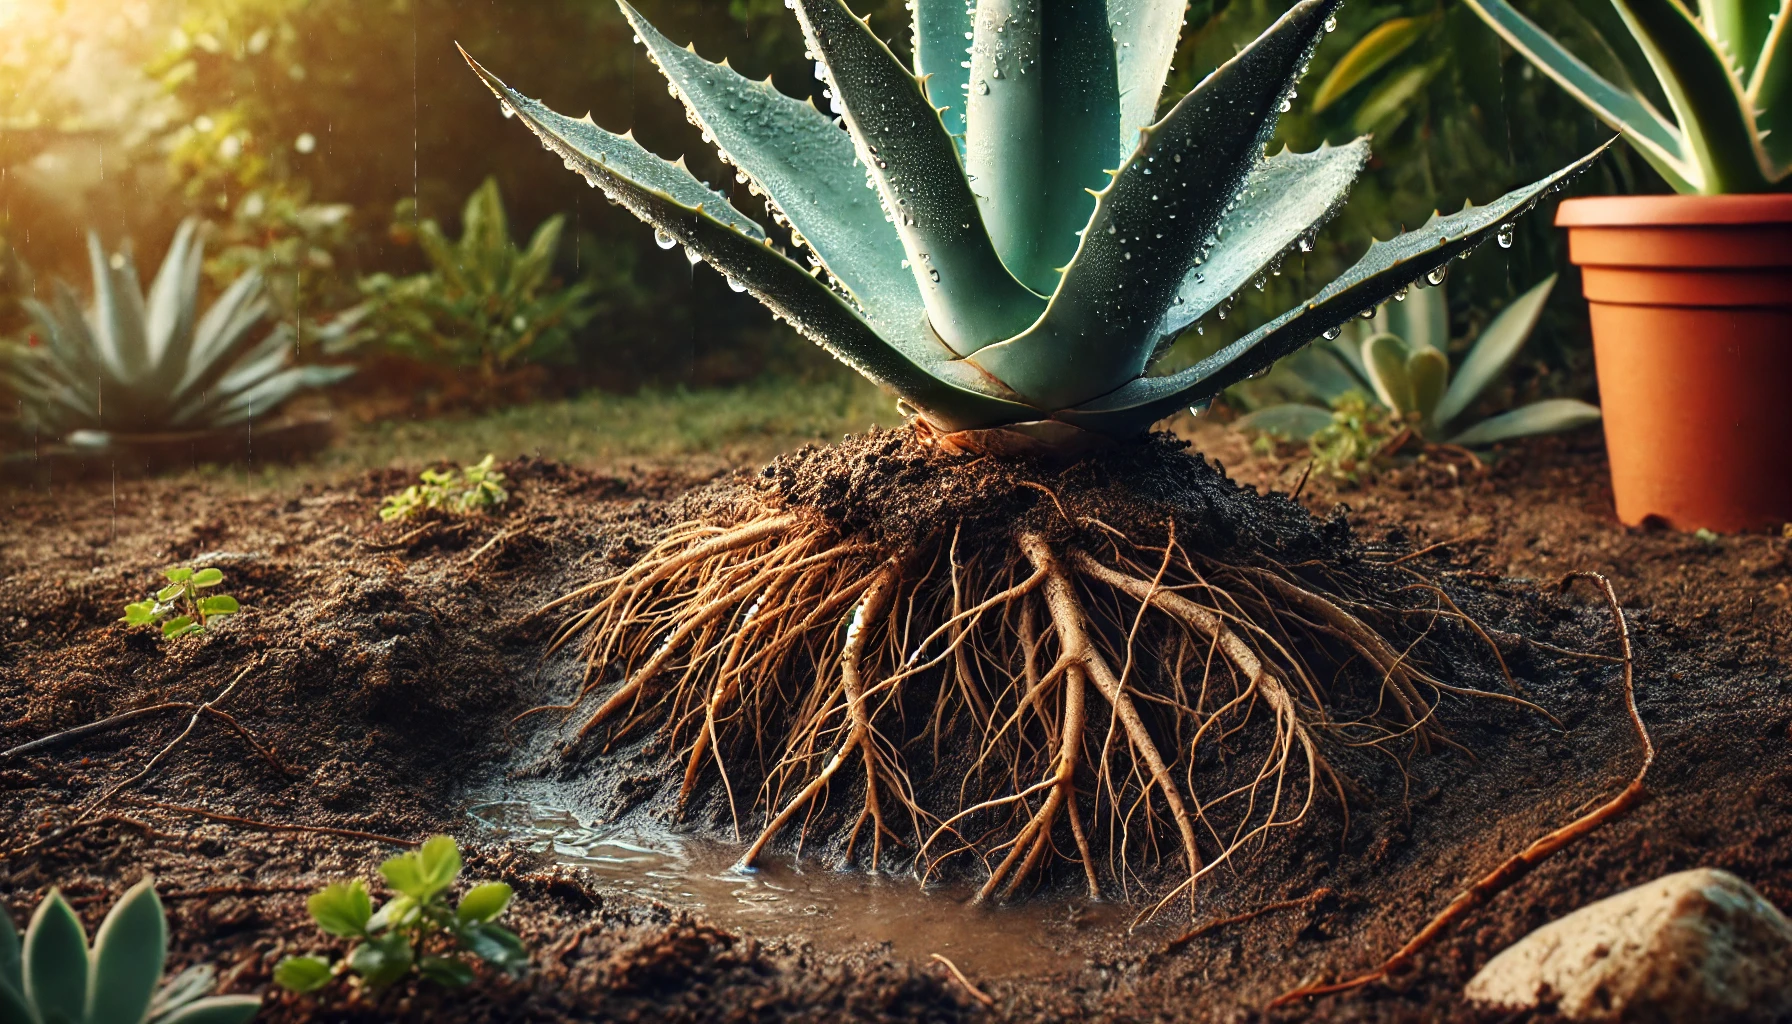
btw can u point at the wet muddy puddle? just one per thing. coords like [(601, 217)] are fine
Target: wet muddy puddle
[(834, 910)]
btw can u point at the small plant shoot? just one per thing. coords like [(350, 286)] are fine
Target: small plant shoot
[(456, 491), (416, 932), (183, 608)]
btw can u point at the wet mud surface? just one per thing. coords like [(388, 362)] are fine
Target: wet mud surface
[(384, 661)]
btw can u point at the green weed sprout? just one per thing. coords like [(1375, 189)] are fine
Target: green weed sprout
[(53, 978), (1399, 359), (460, 492), (415, 930), (180, 607)]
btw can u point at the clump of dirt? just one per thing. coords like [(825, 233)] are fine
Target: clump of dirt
[(387, 659)]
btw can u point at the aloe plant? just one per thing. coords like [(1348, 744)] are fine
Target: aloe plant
[(1726, 72), (150, 364), (1400, 359), (53, 978), (1030, 234), (484, 303)]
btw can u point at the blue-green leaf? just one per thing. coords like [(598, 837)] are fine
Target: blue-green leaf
[(972, 300), (13, 1007), (1422, 319), (941, 30), (216, 1010), (11, 966), (55, 962), (1291, 420), (1770, 93), (1428, 374), (1385, 269), (1289, 197), (129, 952), (1546, 417), (808, 167), (1494, 350), (119, 316), (173, 303), (1152, 224), (1740, 27), (1653, 135), (1706, 95), (954, 395), (1322, 373), (1144, 34), (1384, 356)]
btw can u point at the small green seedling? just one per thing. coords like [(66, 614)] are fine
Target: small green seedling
[(180, 607), (416, 929), (463, 491), (53, 978)]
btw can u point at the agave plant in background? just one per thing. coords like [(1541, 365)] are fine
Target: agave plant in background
[(137, 364), (55, 979), (1005, 238), (484, 303), (1727, 75), (1401, 359)]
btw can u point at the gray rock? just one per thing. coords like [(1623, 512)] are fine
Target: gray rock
[(1700, 946)]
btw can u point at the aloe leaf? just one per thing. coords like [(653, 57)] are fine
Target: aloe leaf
[(1422, 319), (1427, 374), (1706, 95), (1291, 420), (1152, 224), (1770, 93), (810, 170), (263, 397), (173, 303), (941, 30), (972, 300), (1144, 33), (56, 961), (1289, 197), (1740, 27), (11, 970), (129, 952), (529, 269), (1546, 417), (954, 395), (1494, 350), (1384, 356), (1656, 138), (224, 331), (1042, 119), (13, 1006), (118, 313), (1379, 47), (216, 1010), (1322, 374), (1385, 269)]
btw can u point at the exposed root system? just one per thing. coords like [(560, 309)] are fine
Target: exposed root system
[(1126, 665)]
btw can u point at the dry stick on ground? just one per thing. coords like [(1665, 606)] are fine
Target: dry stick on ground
[(1502, 877), (271, 826), (57, 739), (1250, 915)]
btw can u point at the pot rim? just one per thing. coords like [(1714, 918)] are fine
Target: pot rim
[(1675, 210)]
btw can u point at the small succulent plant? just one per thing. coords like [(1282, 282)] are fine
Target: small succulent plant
[(484, 303), (1034, 234), (1726, 72), (415, 930), (137, 364), (1400, 359), (53, 978)]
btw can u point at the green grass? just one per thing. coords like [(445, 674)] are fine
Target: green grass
[(704, 429)]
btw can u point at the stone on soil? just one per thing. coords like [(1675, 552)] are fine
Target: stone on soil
[(1698, 945)]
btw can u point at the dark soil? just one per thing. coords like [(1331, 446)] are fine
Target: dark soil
[(385, 659)]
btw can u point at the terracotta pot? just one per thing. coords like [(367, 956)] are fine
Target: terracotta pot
[(1691, 299)]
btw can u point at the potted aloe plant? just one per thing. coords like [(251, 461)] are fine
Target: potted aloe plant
[(1691, 294)]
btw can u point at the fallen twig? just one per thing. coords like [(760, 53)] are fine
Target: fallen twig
[(57, 739), (1521, 864), (271, 826), (976, 993), (1184, 939)]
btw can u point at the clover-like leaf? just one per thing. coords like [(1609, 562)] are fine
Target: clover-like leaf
[(342, 909), (218, 604), (178, 574), (445, 971), (140, 613), (302, 973), (483, 902), (208, 577), (179, 626), (383, 959)]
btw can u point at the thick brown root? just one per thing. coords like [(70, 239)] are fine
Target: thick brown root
[(1069, 692)]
